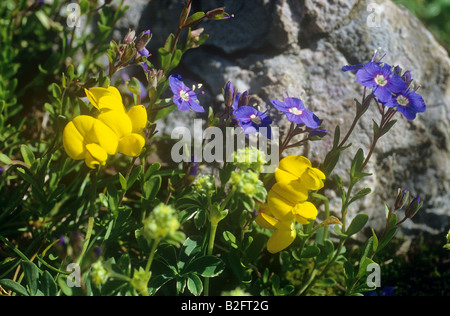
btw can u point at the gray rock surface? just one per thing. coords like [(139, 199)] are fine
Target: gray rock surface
[(271, 47)]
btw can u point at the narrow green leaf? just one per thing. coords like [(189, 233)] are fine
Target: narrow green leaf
[(134, 175), (193, 19), (360, 194), (14, 286), (123, 181), (337, 136), (388, 127)]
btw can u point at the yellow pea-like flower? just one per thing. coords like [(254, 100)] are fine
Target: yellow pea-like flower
[(299, 168), (284, 230), (287, 201), (88, 138), (114, 130)]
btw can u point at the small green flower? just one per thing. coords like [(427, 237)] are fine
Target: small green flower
[(161, 223), (250, 158), (205, 184), (99, 274), (247, 182), (140, 281)]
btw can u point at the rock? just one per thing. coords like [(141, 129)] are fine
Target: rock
[(299, 47)]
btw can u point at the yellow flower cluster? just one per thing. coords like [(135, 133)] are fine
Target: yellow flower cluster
[(287, 201), (114, 130)]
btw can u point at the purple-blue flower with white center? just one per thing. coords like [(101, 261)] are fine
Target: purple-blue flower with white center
[(296, 112), (184, 97), (381, 79), (252, 120), (408, 102)]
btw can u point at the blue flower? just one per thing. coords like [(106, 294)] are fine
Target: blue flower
[(407, 102), (251, 120), (381, 79), (296, 112), (184, 97)]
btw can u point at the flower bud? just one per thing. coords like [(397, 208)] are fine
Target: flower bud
[(228, 94), (317, 134), (129, 37), (413, 208), (402, 197), (244, 99), (143, 40)]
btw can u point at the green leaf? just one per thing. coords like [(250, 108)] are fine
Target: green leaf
[(387, 238), (230, 239), (48, 285), (310, 252), (134, 175), (388, 127), (194, 284), (357, 163), (27, 154), (359, 195), (151, 187), (5, 159), (375, 241), (208, 266), (191, 247), (31, 276), (123, 181), (165, 59), (152, 169), (70, 72), (14, 286), (337, 136), (193, 19), (357, 224)]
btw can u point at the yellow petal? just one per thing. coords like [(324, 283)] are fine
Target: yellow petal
[(105, 137), (293, 192), (281, 239), (110, 103), (305, 212), (291, 168), (84, 124), (313, 178), (95, 156), (266, 221), (138, 116), (131, 145), (280, 207), (118, 121), (73, 142), (95, 94)]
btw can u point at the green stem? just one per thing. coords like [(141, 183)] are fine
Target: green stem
[(152, 255), (90, 226), (212, 237)]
